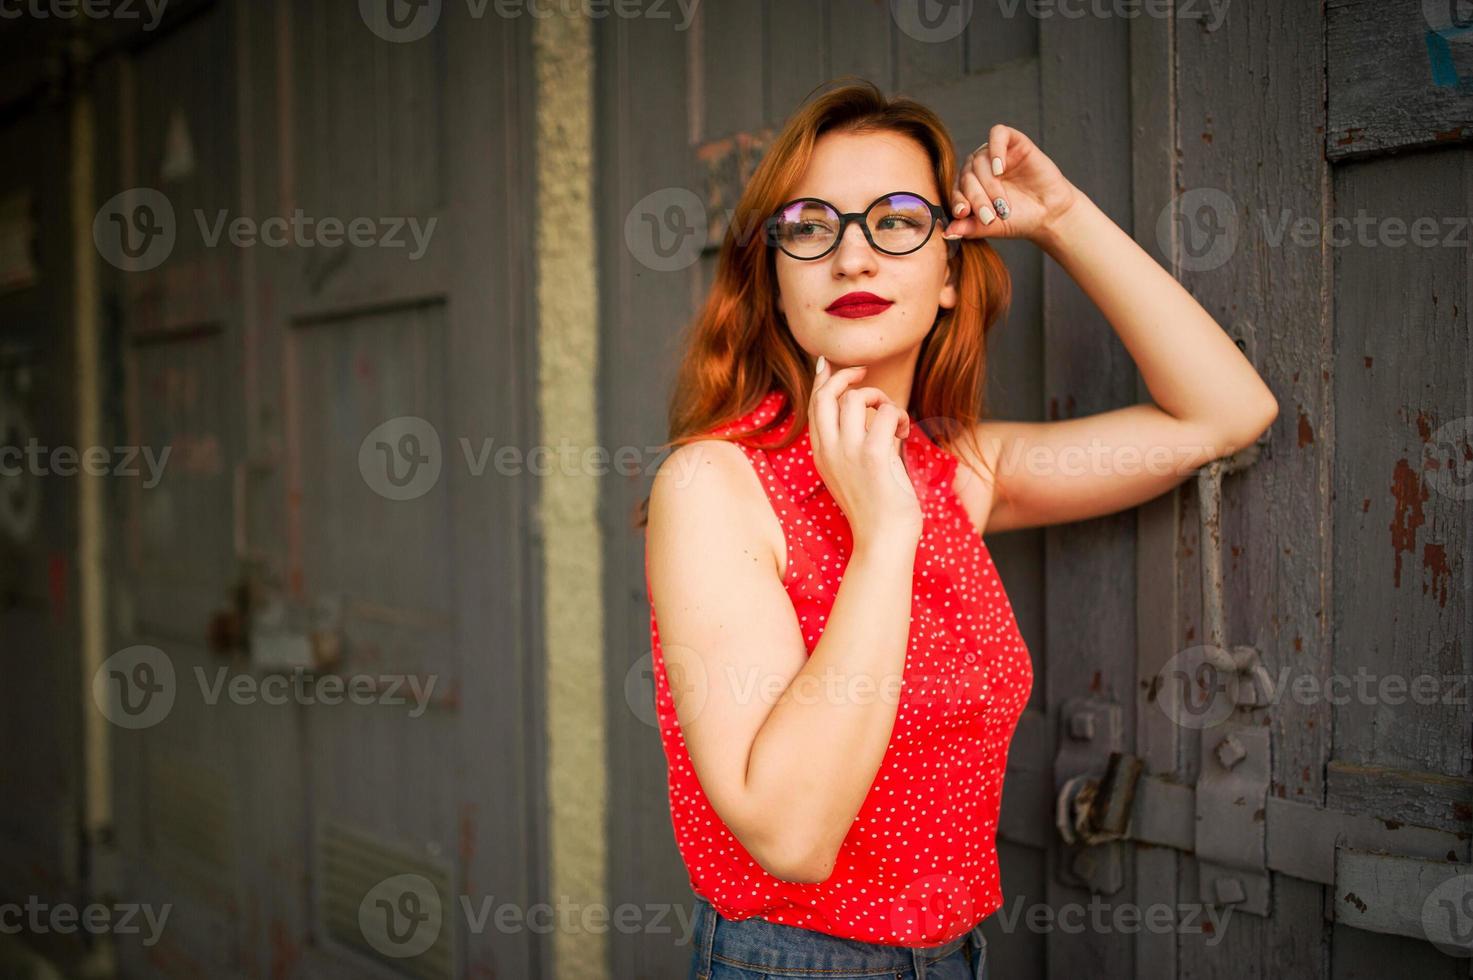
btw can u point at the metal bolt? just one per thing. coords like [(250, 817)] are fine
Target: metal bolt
[(1082, 726), (1230, 752)]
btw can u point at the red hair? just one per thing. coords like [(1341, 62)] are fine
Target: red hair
[(738, 348)]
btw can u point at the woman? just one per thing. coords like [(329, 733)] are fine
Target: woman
[(838, 670)]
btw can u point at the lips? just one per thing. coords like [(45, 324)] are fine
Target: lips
[(858, 304)]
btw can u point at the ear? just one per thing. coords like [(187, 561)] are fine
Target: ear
[(949, 289)]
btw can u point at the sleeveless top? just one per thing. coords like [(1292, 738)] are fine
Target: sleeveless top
[(919, 864)]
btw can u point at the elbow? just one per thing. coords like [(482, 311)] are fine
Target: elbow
[(1262, 417), (1250, 423), (798, 861)]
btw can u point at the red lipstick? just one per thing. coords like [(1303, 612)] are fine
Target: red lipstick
[(858, 304)]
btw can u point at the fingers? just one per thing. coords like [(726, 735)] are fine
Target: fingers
[(885, 429), (823, 407), (854, 420), (978, 184), (998, 139), (974, 191)]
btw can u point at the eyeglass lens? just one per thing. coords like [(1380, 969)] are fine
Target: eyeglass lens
[(897, 223)]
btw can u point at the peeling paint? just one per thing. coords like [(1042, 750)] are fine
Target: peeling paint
[(1410, 494), (1434, 562)]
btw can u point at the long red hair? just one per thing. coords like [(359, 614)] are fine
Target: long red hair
[(738, 348)]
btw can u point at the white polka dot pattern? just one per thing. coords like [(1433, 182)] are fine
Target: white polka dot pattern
[(919, 865)]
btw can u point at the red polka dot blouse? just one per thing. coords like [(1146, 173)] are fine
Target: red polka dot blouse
[(919, 865)]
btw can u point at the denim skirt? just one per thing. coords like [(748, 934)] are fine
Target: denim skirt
[(754, 949)]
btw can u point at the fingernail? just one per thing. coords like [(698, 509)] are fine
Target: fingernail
[(960, 209), (952, 236), (821, 363), (987, 216), (996, 166)]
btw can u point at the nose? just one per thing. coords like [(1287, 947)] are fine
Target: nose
[(853, 256)]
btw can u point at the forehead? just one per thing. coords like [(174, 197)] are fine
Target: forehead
[(852, 169)]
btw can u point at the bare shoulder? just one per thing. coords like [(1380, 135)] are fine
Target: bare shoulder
[(707, 494), (977, 466)]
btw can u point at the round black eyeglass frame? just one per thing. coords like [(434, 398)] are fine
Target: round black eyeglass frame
[(938, 216)]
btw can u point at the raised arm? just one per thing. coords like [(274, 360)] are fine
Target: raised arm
[(1207, 400)]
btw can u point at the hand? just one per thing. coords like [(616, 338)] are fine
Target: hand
[(859, 455), (1037, 194)]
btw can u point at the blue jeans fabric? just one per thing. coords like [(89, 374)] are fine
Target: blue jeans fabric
[(755, 949)]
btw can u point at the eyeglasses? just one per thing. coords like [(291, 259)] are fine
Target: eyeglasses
[(896, 223)]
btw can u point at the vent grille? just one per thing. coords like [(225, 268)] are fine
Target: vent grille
[(391, 903)]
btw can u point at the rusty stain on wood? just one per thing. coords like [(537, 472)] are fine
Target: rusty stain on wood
[(1410, 494)]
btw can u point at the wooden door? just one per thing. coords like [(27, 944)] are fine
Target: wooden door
[(343, 308)]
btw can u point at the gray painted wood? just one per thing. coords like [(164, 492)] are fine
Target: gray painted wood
[(1089, 567), (1159, 562), (1427, 100), (644, 84), (1265, 152), (298, 354)]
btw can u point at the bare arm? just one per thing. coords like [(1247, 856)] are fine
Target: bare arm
[(784, 759), (1207, 401)]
